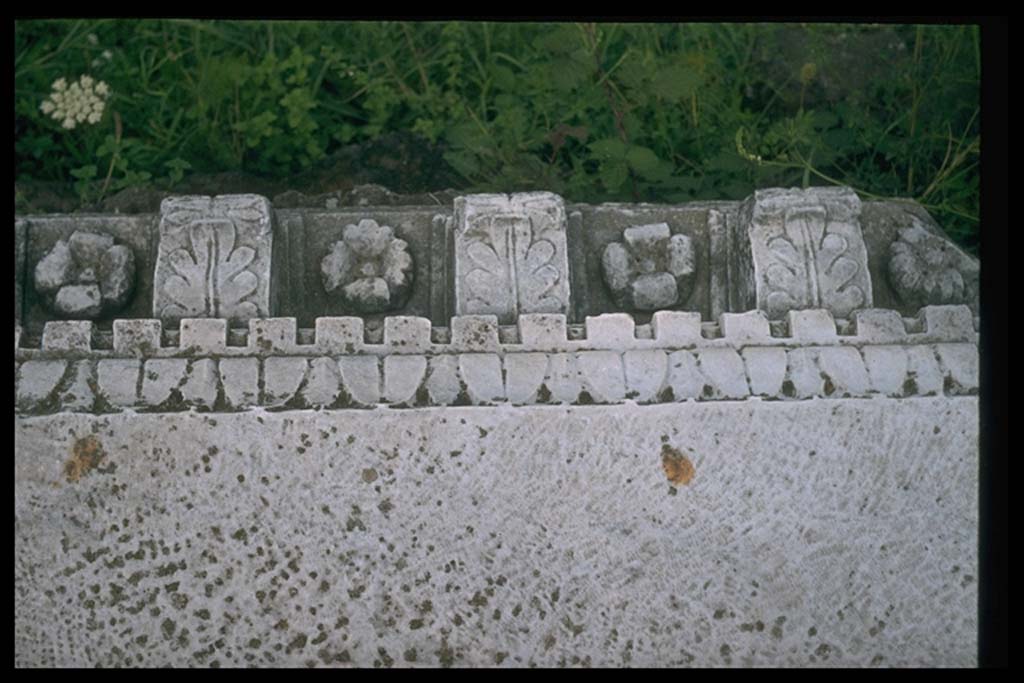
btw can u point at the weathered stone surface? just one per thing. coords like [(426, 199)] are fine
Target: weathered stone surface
[(925, 377), (645, 374), (323, 383), (272, 335), (339, 335), (72, 335), (511, 255), (214, 258), (38, 381), (684, 377), (812, 326), (239, 379), (562, 382), (887, 368), (807, 250), (949, 323), (370, 268), (474, 333), (766, 369), (845, 369), (160, 377), (651, 269), (200, 387), (745, 328), (803, 374), (204, 335), (443, 384), (524, 376), (361, 376), (611, 331), (803, 551), (542, 331), (20, 239), (482, 374), (723, 368), (282, 377), (676, 328), (603, 376), (925, 269), (402, 377), (138, 338), (118, 380), (959, 363), (879, 326), (86, 275), (405, 334)]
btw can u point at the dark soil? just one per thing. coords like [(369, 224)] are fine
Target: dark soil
[(358, 175)]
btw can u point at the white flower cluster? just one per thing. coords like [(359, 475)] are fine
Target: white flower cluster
[(81, 102)]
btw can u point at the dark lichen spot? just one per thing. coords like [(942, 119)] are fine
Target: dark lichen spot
[(585, 399), (543, 394), (909, 386), (168, 626), (86, 455), (666, 395), (415, 624), (677, 466), (788, 390), (409, 655), (830, 388), (549, 642), (708, 391)]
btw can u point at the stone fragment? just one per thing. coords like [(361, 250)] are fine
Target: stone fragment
[(370, 267), (86, 276), (887, 368), (118, 380), (339, 335), (482, 374), (200, 387), (611, 331), (603, 375), (70, 335), (442, 383), (524, 375), (402, 377), (475, 333), (88, 247), (161, 376), (959, 363), (204, 335), (361, 376), (845, 369), (239, 378), (282, 376), (724, 370), (646, 372), (407, 334), (213, 259), (807, 250), (139, 338), (323, 383), (766, 369), (37, 382), (676, 328), (511, 255)]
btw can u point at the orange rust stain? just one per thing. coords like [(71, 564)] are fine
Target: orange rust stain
[(86, 455), (678, 467)]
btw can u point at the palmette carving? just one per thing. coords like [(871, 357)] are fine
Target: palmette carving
[(808, 251), (511, 255), (214, 259)]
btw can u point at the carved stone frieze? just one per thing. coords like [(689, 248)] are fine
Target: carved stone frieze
[(925, 269), (807, 250), (651, 269), (85, 276), (511, 255), (214, 258), (370, 267)]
